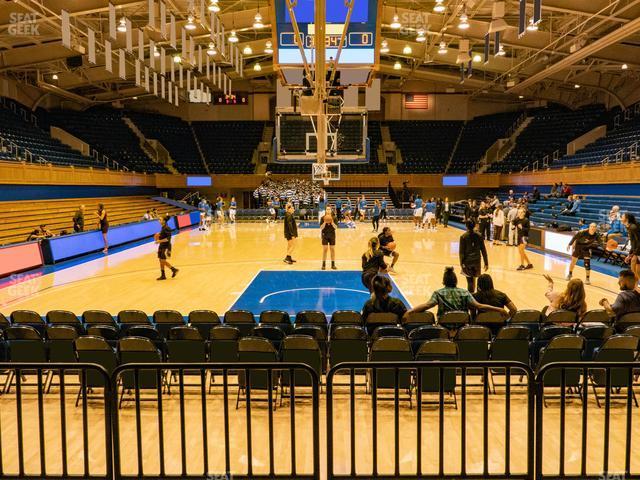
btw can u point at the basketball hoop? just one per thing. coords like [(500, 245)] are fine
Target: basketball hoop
[(325, 172)]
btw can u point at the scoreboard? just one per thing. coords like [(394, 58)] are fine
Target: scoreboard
[(359, 44)]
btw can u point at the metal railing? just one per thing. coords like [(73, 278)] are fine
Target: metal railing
[(435, 384), (384, 420)]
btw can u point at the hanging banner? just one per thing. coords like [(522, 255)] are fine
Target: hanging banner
[(152, 14), (112, 21), (199, 58), (184, 44), (66, 29), (146, 78), (522, 20), (175, 96), (92, 45), (162, 87), (108, 59), (173, 30), (152, 54), (128, 36), (122, 67), (170, 91), (163, 20), (138, 64), (163, 61), (140, 45)]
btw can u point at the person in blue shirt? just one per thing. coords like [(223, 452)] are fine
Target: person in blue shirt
[(232, 209), (383, 210), (220, 209), (417, 212), (430, 214), (616, 227), (322, 209), (202, 207), (375, 218), (339, 209), (362, 208), (209, 215)]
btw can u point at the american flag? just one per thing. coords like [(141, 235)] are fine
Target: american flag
[(416, 101)]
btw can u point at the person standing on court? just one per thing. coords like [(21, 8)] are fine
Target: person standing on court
[(383, 210), (290, 232), (103, 225), (471, 251), (446, 211), (633, 231), (484, 216), (498, 225), (375, 216), (328, 236), (78, 220), (163, 239)]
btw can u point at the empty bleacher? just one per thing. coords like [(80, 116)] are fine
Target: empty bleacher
[(228, 146), (425, 145), (618, 140), (175, 135), (477, 136), (550, 130), (28, 137), (18, 219), (106, 131)]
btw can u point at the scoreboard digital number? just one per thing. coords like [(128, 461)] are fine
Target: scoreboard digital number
[(358, 47)]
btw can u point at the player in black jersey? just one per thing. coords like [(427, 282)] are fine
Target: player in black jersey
[(522, 226), (290, 233), (372, 263), (582, 243), (388, 247), (328, 235), (163, 239)]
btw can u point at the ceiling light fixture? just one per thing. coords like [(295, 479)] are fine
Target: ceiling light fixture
[(257, 67), (520, 97), (464, 21), (442, 48), (407, 50), (439, 6), (122, 25), (211, 51), (532, 27), (477, 58), (233, 38), (156, 52), (213, 6), (624, 66), (54, 76), (384, 46), (190, 23), (397, 65), (395, 23), (421, 36), (500, 52), (257, 21), (247, 50), (177, 59), (268, 47), (576, 86)]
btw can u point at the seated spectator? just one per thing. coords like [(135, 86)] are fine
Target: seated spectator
[(488, 295), (572, 299), (567, 190), (451, 298), (154, 213), (572, 207), (536, 195), (628, 300), (78, 220), (40, 233), (381, 301), (147, 216), (554, 190), (616, 228)]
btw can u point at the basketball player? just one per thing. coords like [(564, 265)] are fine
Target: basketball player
[(417, 212), (328, 235), (232, 209), (471, 249), (522, 226), (388, 247), (290, 233), (372, 263), (208, 215), (276, 209), (582, 243), (203, 214), (375, 217), (339, 209), (322, 208), (383, 210), (633, 232), (103, 225), (362, 208), (163, 239), (429, 214), (220, 210)]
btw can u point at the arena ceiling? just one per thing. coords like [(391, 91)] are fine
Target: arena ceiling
[(579, 49)]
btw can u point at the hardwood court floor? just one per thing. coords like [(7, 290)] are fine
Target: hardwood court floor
[(215, 268)]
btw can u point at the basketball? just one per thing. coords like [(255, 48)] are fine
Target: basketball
[(156, 237), (611, 245), (391, 246)]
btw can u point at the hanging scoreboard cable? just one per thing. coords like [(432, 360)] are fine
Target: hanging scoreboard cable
[(358, 47)]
